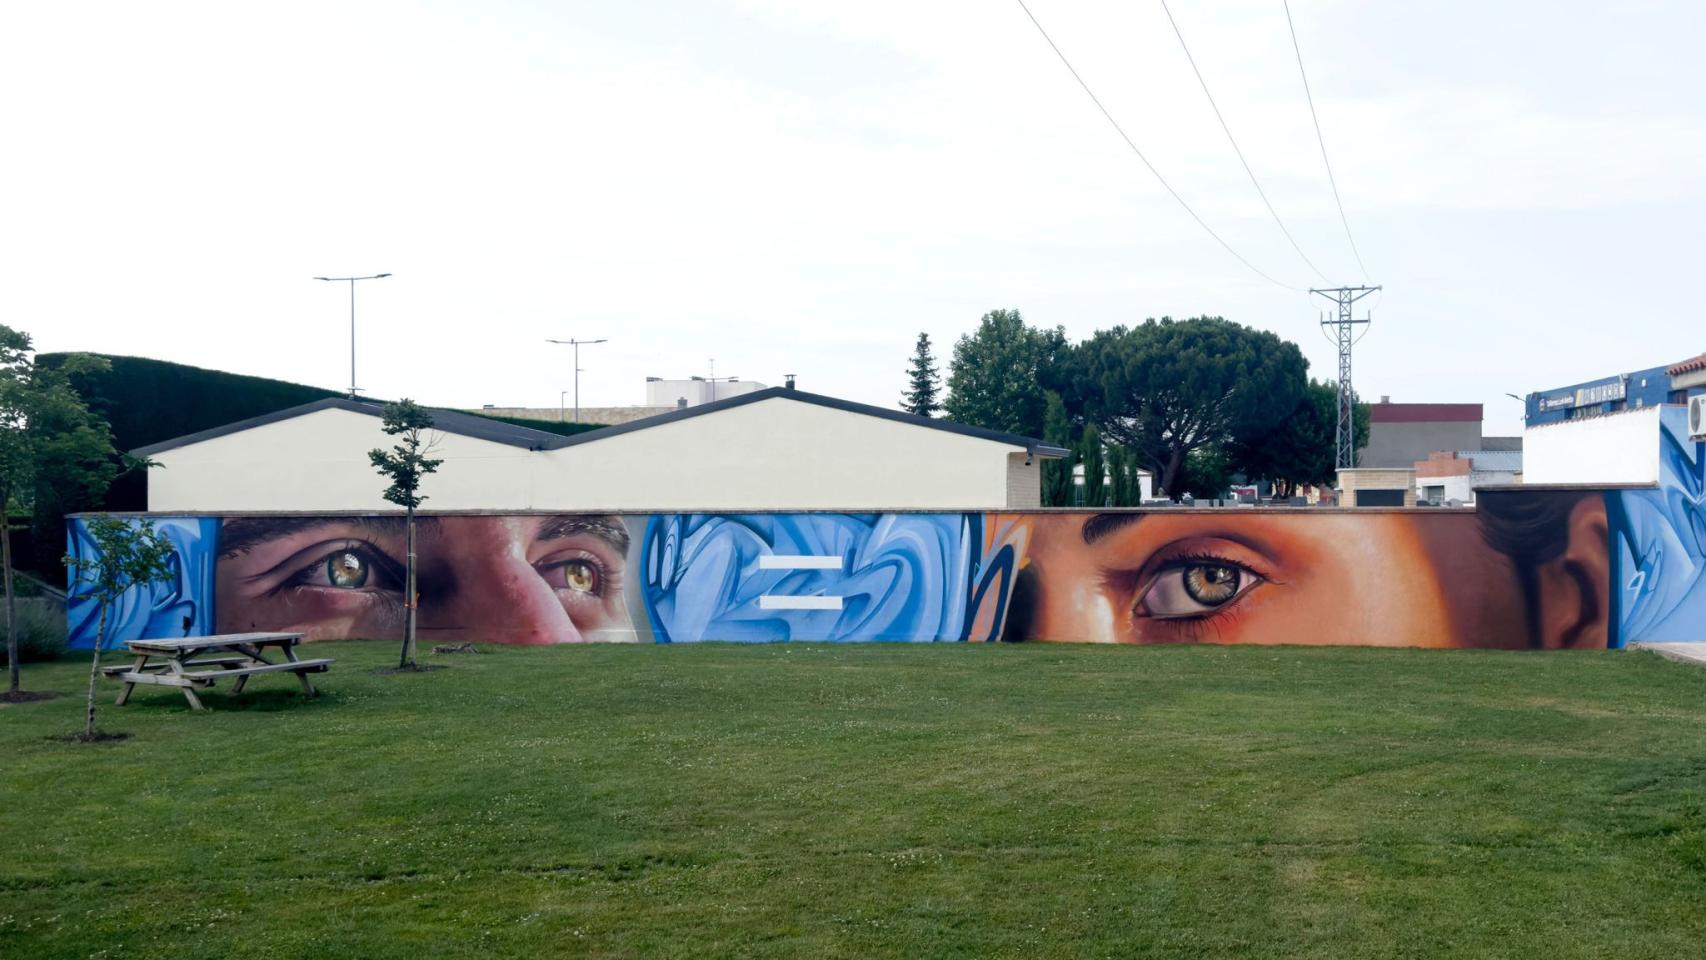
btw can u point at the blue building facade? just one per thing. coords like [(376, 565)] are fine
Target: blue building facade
[(1624, 391)]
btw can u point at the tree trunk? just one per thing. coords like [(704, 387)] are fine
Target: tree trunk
[(11, 609), (95, 670), (1175, 463), (408, 658)]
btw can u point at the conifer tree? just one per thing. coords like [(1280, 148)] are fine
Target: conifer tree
[(1057, 474), (1095, 468), (920, 398)]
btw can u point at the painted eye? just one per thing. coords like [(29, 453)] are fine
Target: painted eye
[(1194, 589), (346, 570), (579, 576), (576, 575)]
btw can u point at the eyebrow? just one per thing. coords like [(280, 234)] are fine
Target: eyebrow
[(606, 528), (1104, 524), (242, 534)]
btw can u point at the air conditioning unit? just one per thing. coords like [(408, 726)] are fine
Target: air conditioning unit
[(1697, 417)]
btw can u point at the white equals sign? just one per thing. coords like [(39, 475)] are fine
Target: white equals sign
[(782, 562)]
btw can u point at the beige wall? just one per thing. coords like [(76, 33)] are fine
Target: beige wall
[(774, 454), (784, 455), (318, 461)]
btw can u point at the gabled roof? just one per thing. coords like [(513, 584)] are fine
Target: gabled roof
[(451, 421), (1028, 444), (445, 421)]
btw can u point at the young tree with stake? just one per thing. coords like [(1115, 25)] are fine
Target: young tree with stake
[(126, 555), (405, 464)]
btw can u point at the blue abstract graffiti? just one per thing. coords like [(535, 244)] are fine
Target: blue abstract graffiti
[(830, 577), (176, 607), (1658, 545)]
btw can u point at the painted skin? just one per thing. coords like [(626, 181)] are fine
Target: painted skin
[(495, 579), (1381, 579)]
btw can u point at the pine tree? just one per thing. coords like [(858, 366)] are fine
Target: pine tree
[(921, 398)]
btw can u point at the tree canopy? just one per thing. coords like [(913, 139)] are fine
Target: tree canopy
[(1170, 387), (999, 373), (1300, 449), (53, 450)]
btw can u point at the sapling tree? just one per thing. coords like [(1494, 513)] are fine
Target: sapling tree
[(405, 464), (127, 554)]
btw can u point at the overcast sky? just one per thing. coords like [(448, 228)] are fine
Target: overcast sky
[(803, 187)]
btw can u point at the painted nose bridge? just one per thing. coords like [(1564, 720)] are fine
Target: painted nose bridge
[(495, 596)]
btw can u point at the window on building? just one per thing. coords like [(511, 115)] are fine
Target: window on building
[(1433, 492), (1677, 396)]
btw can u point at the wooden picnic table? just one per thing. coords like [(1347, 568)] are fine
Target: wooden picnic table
[(189, 663)]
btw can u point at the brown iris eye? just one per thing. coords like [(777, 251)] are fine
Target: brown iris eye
[(580, 576), (1211, 584), (346, 570)]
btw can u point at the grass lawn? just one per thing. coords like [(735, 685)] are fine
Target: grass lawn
[(872, 801)]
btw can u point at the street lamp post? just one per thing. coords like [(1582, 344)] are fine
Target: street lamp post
[(577, 345), (562, 397), (352, 280)]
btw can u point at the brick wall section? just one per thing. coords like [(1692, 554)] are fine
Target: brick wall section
[(1370, 478), (1024, 484)]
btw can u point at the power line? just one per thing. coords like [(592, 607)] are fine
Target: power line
[(1128, 142), (1234, 141), (1321, 140)]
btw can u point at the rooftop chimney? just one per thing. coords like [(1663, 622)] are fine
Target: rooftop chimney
[(1385, 399), (788, 381)]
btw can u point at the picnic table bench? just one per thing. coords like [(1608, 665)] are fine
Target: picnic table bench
[(191, 663)]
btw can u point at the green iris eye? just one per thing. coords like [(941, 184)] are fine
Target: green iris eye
[(1211, 584), (347, 570)]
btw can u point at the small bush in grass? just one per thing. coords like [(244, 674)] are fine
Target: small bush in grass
[(41, 630)]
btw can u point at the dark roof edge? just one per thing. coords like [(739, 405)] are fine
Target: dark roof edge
[(1030, 445), (445, 421)]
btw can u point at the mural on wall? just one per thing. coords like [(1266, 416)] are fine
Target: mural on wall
[(1535, 568), (824, 576), (1659, 543), (180, 606)]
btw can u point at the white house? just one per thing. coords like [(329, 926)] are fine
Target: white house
[(773, 449)]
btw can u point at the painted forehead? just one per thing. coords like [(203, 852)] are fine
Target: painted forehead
[(240, 534)]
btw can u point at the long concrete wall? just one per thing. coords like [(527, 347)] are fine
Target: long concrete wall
[(1531, 569)]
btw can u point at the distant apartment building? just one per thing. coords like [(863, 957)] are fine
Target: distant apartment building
[(1399, 434)]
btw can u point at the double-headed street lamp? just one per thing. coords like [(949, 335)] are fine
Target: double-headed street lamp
[(352, 280), (577, 345)]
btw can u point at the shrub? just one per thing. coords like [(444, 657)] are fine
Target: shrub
[(41, 630)]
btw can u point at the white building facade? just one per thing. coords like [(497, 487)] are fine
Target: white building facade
[(774, 449)]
